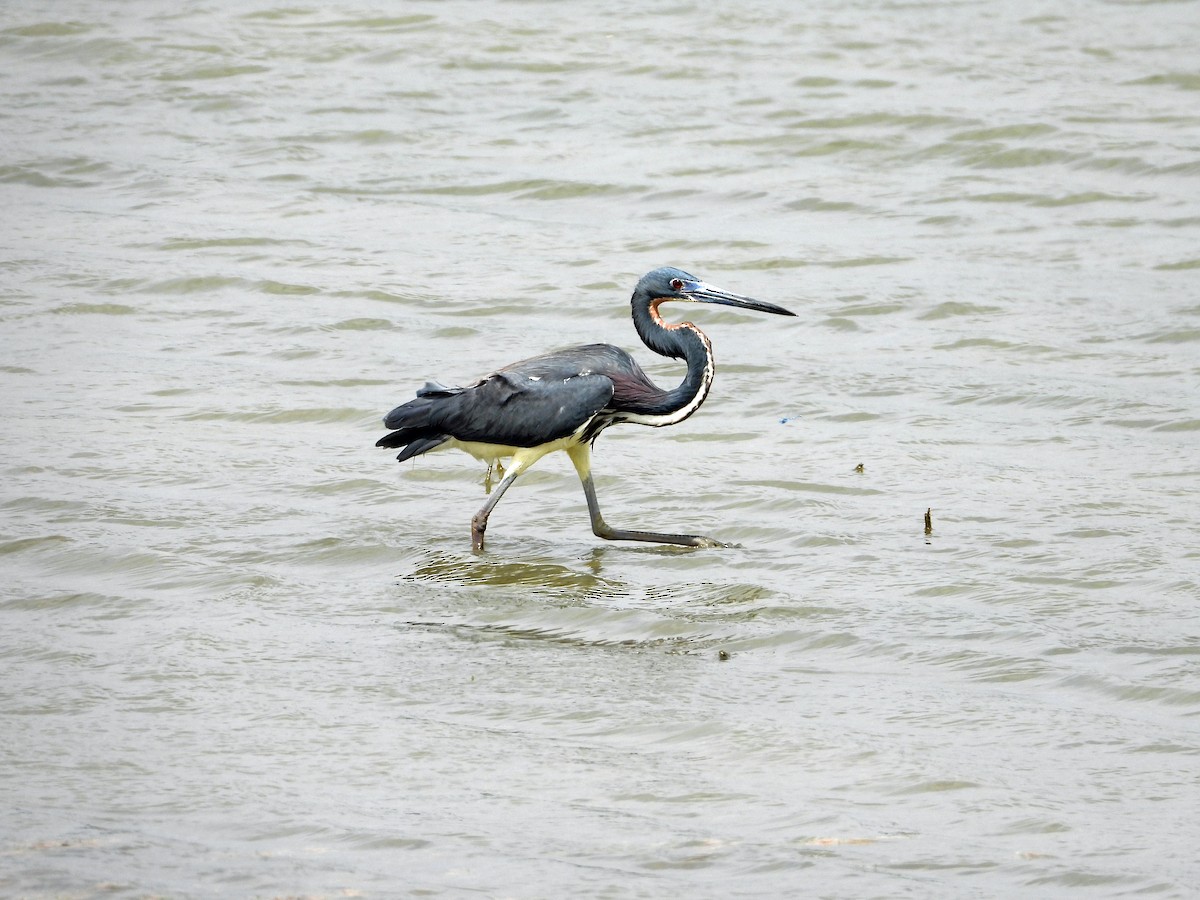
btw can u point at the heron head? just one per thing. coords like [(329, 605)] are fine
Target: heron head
[(669, 283)]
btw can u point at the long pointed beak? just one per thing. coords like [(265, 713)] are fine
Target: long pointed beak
[(703, 292)]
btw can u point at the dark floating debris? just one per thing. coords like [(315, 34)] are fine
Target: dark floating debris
[(929, 520), (723, 655), (859, 469)]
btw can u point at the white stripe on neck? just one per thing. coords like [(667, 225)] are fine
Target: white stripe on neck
[(706, 379)]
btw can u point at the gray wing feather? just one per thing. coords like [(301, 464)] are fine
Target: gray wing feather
[(519, 409)]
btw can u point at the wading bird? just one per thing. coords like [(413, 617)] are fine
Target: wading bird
[(563, 400)]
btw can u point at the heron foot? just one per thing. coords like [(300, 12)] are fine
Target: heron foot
[(602, 529)]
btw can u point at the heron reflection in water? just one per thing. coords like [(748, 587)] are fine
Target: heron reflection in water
[(564, 399)]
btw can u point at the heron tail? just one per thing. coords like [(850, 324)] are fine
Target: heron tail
[(412, 423), (417, 447)]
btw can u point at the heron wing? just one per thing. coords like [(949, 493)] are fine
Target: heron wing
[(523, 407)]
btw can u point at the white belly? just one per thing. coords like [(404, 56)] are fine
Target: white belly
[(522, 457)]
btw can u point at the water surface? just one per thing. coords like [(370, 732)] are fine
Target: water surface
[(243, 653)]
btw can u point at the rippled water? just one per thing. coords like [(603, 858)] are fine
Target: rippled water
[(243, 653)]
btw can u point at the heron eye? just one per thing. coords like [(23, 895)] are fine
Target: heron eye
[(676, 284)]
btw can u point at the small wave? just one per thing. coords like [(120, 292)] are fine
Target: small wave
[(35, 176), (322, 415), (208, 73), (1183, 425), (443, 567), (201, 284), (23, 545), (1188, 81), (1174, 336), (855, 262), (94, 309), (1004, 132), (953, 309), (364, 324), (810, 487), (49, 29), (175, 244), (366, 23), (1045, 200), (871, 309), (1133, 693)]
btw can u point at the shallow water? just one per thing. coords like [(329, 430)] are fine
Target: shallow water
[(243, 653)]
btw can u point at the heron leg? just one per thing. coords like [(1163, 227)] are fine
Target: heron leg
[(581, 456), (496, 467), (480, 519)]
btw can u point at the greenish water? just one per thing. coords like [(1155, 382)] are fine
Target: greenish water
[(244, 653)]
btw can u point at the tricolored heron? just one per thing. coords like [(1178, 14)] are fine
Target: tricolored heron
[(563, 400)]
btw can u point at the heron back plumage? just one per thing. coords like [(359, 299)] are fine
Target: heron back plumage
[(533, 402)]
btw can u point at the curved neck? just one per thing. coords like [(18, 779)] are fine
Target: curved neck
[(684, 341)]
